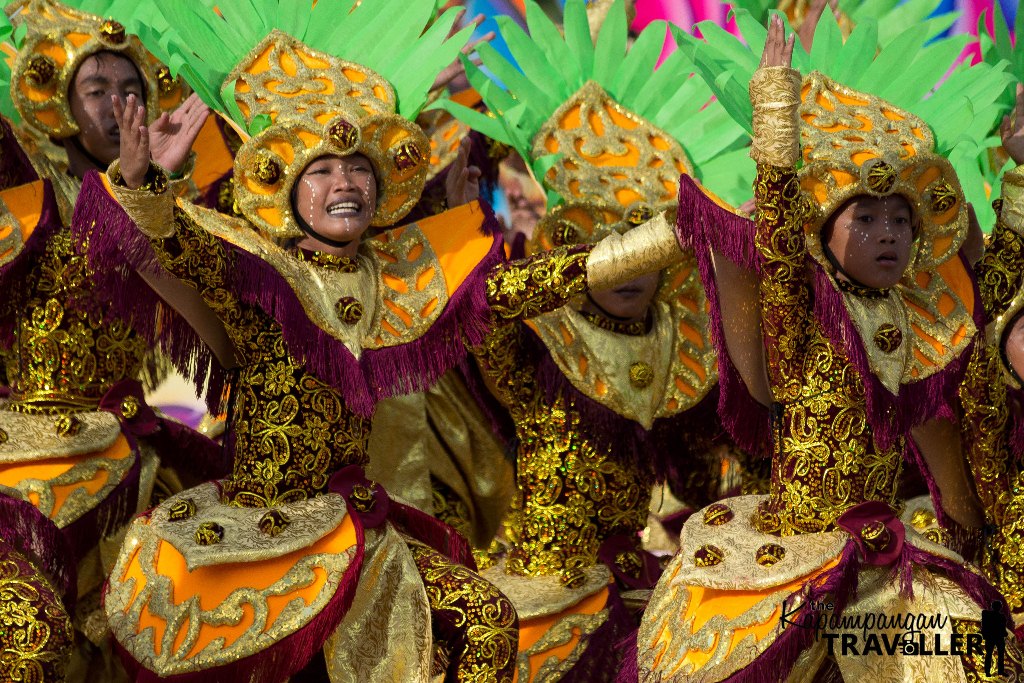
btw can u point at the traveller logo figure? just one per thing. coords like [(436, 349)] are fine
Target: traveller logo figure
[(993, 630)]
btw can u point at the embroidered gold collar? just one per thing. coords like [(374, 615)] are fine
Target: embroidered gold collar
[(394, 295), (915, 330), (642, 378)]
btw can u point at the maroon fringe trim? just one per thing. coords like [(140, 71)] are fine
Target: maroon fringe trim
[(603, 656), (35, 536), (284, 658), (118, 251), (14, 273), (185, 449), (378, 374), (703, 226), (889, 416), (15, 167), (433, 532)]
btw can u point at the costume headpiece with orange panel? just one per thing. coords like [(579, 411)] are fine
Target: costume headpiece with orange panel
[(340, 78), (58, 38), (605, 131)]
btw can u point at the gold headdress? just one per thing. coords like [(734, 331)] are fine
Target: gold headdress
[(857, 144), (615, 170), (336, 79), (58, 39), (319, 105)]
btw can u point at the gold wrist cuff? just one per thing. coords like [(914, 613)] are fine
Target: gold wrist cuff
[(1013, 200), (775, 96), (151, 207), (620, 258)]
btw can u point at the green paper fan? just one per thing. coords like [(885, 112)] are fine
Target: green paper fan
[(204, 40), (912, 71), (551, 66)]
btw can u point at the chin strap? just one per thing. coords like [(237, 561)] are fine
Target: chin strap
[(100, 166), (834, 262)]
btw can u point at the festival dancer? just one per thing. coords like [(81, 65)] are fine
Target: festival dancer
[(80, 448), (616, 390), (865, 302), (990, 395), (322, 325)]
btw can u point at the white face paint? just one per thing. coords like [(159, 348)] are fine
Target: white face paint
[(337, 197)]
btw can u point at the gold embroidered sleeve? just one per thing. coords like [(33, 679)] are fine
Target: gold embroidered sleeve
[(620, 258), (151, 206), (1000, 269), (785, 297), (775, 96), (523, 289)]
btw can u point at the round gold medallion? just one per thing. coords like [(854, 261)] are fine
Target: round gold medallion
[(888, 337), (717, 514), (129, 407), (209, 533), (708, 555), (641, 375), (349, 310), (770, 554), (182, 510)]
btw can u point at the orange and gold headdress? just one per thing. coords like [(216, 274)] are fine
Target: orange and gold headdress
[(333, 80), (57, 40), (319, 105), (857, 144), (600, 126)]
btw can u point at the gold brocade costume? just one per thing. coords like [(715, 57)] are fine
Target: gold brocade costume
[(750, 567), (988, 399)]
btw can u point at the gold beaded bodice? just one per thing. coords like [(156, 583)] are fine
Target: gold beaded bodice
[(986, 424), (825, 460), (571, 495), (64, 355), (289, 430)]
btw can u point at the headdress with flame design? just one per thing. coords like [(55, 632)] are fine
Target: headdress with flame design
[(899, 124), (58, 37), (335, 79), (857, 144), (607, 133)]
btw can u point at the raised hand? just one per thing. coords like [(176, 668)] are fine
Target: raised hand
[(135, 156), (455, 70), (811, 19), (171, 136), (778, 50), (462, 185), (1011, 130)]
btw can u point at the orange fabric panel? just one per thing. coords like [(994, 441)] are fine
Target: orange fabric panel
[(212, 585), (213, 158), (26, 203), (11, 474), (456, 239), (707, 603), (531, 630)]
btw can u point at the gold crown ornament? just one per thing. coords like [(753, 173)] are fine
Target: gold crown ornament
[(319, 105), (58, 39)]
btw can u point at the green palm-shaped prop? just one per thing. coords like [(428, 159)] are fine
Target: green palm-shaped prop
[(551, 66), (913, 71)]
